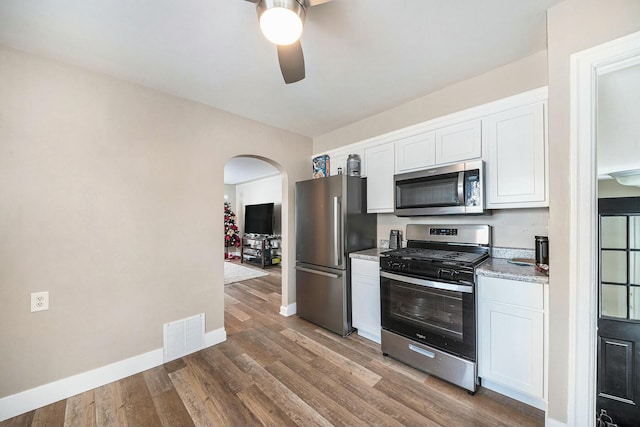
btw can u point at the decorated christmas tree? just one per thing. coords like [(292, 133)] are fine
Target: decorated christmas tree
[(231, 236)]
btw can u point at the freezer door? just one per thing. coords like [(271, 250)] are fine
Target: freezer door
[(323, 298), (320, 222)]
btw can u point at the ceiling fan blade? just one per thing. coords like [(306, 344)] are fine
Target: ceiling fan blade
[(291, 62)]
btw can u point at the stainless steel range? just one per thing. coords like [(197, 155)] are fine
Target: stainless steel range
[(428, 307)]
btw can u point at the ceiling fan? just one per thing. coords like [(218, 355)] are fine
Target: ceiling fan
[(281, 22)]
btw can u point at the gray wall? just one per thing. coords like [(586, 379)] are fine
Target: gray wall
[(573, 26), (112, 201)]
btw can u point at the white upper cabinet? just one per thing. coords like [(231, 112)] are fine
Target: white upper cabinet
[(516, 172), (509, 135), (416, 152), (380, 170), (459, 142)]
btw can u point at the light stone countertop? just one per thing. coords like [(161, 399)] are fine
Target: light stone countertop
[(502, 269), (372, 254)]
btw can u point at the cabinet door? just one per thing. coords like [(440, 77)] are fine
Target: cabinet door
[(380, 170), (415, 152), (511, 347), (365, 298), (516, 160), (511, 344), (459, 142)]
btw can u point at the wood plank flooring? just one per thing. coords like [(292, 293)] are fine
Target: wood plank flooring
[(278, 371)]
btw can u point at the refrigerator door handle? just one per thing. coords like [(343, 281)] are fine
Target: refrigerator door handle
[(321, 273), (337, 231)]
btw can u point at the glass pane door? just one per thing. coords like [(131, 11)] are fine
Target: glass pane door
[(434, 309), (419, 193), (620, 266)]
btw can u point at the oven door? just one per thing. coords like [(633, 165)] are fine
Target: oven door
[(418, 193), (437, 314)]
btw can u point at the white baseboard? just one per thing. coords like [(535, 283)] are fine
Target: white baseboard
[(288, 310), (46, 394), (522, 397), (553, 423), (372, 336), (215, 337)]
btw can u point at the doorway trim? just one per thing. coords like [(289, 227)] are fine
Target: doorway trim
[(586, 66)]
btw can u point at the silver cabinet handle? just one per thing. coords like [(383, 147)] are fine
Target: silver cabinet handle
[(422, 351)]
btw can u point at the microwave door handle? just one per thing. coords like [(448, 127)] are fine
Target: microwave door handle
[(461, 188)]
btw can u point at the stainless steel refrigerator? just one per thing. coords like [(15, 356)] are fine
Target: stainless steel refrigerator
[(331, 222)]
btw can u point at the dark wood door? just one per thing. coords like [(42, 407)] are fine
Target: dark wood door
[(618, 385)]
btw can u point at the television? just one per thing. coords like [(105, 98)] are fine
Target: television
[(258, 219)]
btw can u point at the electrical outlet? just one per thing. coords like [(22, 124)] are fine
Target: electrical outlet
[(39, 301)]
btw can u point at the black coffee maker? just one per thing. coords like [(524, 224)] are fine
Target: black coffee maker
[(542, 250), (395, 239)]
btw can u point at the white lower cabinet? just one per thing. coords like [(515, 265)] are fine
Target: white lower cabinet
[(512, 339), (365, 298)]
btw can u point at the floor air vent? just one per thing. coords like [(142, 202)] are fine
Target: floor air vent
[(183, 337)]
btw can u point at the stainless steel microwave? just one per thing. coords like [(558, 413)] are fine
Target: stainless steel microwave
[(447, 190)]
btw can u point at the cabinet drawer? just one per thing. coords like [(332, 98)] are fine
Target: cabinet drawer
[(512, 292), (365, 268)]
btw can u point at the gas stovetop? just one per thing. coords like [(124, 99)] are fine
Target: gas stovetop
[(443, 253), (450, 257)]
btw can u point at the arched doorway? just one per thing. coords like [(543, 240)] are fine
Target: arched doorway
[(253, 181)]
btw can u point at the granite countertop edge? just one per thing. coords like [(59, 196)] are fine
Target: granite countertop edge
[(372, 254), (502, 269)]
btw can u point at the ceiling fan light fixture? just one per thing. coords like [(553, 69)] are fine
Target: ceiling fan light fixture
[(628, 177), (281, 21)]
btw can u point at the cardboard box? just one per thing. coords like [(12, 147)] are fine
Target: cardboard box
[(321, 166)]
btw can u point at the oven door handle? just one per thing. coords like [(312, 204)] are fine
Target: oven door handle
[(468, 289), (422, 351)]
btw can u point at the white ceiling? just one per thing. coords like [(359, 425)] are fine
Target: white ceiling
[(362, 56)]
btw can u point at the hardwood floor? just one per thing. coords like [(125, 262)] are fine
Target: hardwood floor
[(278, 371)]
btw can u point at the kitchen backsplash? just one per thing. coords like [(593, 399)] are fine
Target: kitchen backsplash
[(511, 228), (508, 253)]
